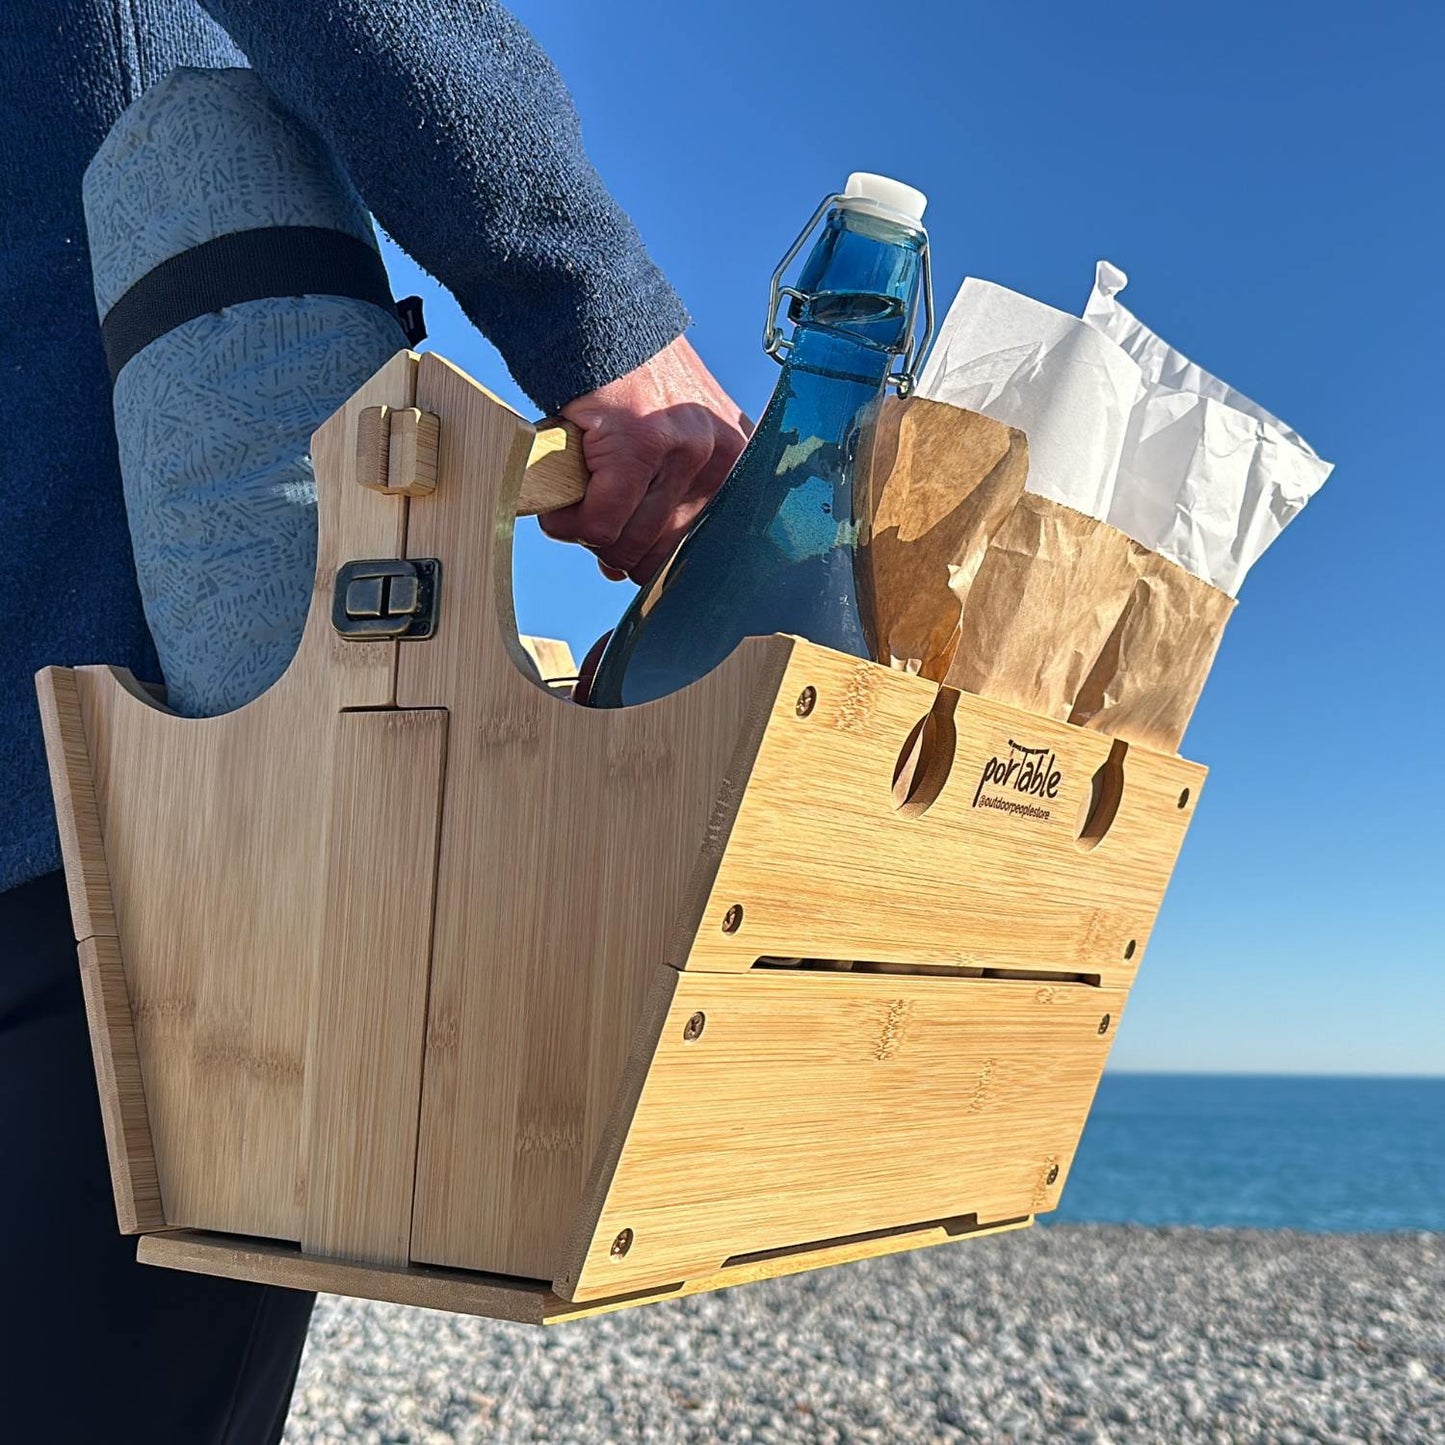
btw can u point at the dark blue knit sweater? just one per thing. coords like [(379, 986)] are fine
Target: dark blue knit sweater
[(458, 134)]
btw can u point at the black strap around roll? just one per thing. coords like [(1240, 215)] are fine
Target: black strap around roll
[(250, 266)]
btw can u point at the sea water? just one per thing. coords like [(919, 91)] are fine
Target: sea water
[(1317, 1154)]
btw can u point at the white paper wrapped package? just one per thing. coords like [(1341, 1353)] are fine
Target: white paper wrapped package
[(1207, 477), (1124, 428), (1069, 389), (214, 417)]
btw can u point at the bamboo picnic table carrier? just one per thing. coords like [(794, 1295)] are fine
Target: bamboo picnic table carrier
[(413, 981)]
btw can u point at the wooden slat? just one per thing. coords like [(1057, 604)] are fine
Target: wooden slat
[(368, 1008), (556, 472), (824, 865), (138, 1205), (553, 658), (215, 838), (817, 1105), (82, 847), (533, 1003), (267, 1262), (500, 1297), (790, 1262)]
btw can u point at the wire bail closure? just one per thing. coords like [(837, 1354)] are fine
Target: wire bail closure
[(777, 345)]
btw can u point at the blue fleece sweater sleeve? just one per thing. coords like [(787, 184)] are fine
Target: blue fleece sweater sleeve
[(462, 139)]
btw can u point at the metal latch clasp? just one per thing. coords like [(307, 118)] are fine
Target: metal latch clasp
[(388, 599)]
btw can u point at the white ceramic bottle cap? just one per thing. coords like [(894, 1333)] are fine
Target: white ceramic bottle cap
[(868, 192)]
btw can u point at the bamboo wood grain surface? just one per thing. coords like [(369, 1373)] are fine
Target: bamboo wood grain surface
[(556, 473), (124, 1115), (991, 875), (368, 1002), (523, 1301), (782, 1107), (82, 843), (214, 851), (533, 1007)]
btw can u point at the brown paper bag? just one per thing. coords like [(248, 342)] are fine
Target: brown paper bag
[(1144, 685), (1048, 593), (971, 580), (936, 481)]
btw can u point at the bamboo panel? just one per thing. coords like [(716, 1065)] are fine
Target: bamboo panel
[(214, 842), (570, 841), (82, 845), (368, 1004), (502, 1297), (134, 1181), (780, 1108), (823, 863), (262, 1261), (554, 659)]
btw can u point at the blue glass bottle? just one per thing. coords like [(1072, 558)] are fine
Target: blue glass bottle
[(774, 552)]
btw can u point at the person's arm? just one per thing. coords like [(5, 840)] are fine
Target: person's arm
[(463, 141)]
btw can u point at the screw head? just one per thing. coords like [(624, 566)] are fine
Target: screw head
[(1052, 1177), (807, 700), (693, 1028), (733, 918), (1105, 1022), (622, 1244)]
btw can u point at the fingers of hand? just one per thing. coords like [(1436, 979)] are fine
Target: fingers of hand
[(622, 470), (653, 520), (654, 544), (640, 477), (728, 447), (658, 443), (685, 514)]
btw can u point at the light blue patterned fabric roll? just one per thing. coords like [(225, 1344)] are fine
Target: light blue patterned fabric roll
[(214, 418)]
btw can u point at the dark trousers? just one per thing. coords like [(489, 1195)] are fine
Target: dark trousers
[(93, 1346)]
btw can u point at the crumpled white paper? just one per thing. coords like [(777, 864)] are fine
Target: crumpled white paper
[(1066, 385), (1125, 428)]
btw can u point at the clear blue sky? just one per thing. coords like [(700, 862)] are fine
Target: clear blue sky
[(1269, 175)]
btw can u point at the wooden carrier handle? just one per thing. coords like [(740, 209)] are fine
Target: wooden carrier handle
[(556, 474)]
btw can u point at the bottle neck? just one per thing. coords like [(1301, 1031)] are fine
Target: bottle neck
[(857, 290), (822, 352)]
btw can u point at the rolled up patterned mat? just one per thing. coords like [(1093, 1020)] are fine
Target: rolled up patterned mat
[(242, 299)]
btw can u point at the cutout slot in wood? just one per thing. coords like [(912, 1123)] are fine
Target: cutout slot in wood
[(926, 758), (924, 970), (1106, 792)]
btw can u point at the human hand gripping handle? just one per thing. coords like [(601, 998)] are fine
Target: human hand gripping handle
[(657, 443)]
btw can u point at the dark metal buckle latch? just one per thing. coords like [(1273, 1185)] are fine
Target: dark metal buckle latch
[(388, 599)]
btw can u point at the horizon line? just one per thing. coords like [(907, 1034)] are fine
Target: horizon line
[(1273, 1074)]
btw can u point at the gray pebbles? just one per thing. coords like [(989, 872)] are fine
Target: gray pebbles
[(1085, 1333)]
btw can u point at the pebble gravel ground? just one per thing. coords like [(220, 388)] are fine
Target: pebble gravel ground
[(1072, 1333)]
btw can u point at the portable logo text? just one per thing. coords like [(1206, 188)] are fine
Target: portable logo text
[(1031, 772)]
